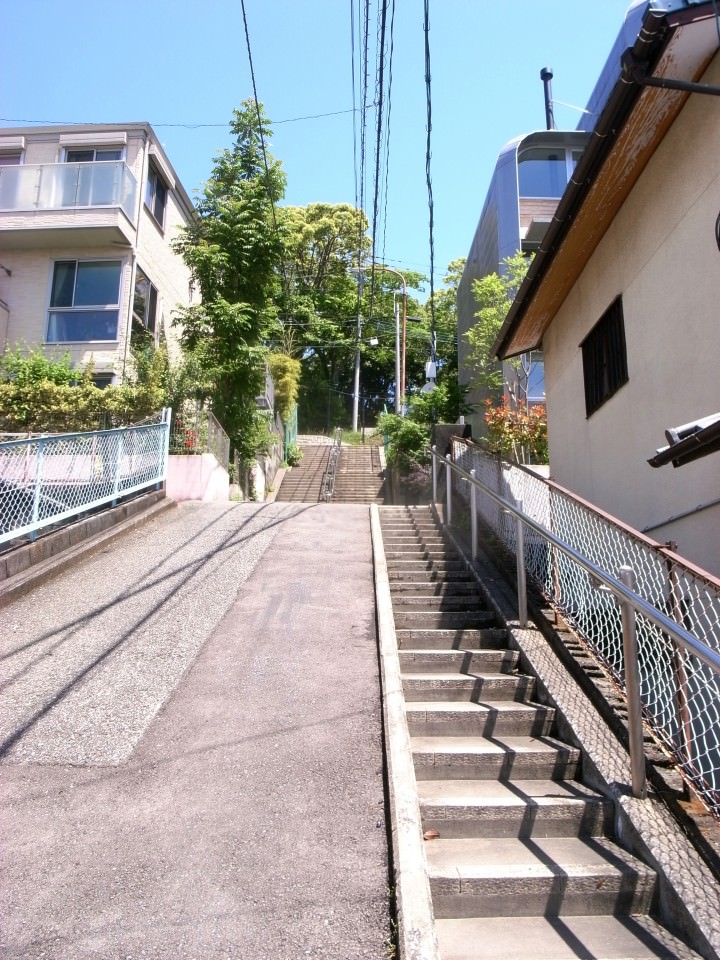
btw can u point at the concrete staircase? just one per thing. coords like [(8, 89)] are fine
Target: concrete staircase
[(304, 482), (359, 476), (520, 857)]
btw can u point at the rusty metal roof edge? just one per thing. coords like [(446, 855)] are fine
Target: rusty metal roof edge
[(647, 48)]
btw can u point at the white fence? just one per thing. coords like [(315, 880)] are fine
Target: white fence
[(48, 479)]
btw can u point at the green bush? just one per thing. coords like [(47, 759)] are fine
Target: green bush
[(407, 441), (40, 394), (294, 455)]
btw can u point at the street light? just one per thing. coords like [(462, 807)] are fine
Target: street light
[(399, 366)]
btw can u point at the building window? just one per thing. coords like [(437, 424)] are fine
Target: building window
[(10, 158), (145, 299), (102, 380), (604, 358), (84, 300), (92, 155), (156, 195)]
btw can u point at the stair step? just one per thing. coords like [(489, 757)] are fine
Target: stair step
[(545, 876), (502, 758), (409, 553), (426, 575), (490, 638), (553, 938), (458, 661), (523, 808), (404, 565), (428, 718), (473, 687), (441, 588), (449, 601), (444, 619)]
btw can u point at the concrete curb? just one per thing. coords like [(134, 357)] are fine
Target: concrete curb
[(417, 938), (34, 563), (689, 893)]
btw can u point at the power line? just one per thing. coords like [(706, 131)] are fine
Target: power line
[(262, 145), (387, 124), (428, 176), (194, 126), (352, 62), (378, 145)]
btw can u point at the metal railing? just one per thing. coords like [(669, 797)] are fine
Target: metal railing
[(198, 431), (617, 588), (57, 186), (328, 480), (45, 480)]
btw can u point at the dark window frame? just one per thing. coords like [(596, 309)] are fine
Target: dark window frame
[(64, 308), (147, 318), (604, 356), (156, 195)]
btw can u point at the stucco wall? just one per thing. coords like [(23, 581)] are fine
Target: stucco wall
[(660, 254), (27, 290), (27, 294), (165, 269)]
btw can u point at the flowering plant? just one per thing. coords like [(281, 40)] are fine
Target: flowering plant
[(517, 434)]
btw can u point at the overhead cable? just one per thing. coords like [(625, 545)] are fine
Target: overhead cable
[(378, 146), (262, 145), (428, 176), (193, 126), (387, 126)]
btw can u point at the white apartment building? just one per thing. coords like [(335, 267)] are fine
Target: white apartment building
[(87, 216)]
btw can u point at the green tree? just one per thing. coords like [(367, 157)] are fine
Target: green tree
[(285, 371), (320, 311), (234, 252), (493, 294), (447, 405)]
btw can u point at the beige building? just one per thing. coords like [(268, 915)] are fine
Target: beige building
[(623, 295), (87, 216)]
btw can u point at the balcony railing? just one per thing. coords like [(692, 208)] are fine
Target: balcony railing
[(58, 186)]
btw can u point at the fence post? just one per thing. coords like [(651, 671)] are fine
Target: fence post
[(521, 575), (38, 486), (632, 689), (473, 516), (433, 458), (118, 466), (448, 496), (167, 422)]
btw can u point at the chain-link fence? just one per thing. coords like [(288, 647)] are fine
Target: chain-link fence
[(45, 480), (679, 678)]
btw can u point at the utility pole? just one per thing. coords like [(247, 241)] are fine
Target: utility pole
[(356, 381), (398, 398)]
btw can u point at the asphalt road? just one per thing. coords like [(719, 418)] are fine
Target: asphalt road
[(190, 745)]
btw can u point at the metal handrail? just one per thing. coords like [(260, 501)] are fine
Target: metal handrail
[(631, 602), (50, 479), (328, 481)]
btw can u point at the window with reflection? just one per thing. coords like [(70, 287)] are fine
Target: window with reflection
[(84, 300), (542, 172)]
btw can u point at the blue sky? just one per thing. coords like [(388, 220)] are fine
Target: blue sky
[(184, 62)]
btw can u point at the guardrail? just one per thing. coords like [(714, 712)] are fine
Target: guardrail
[(328, 480), (58, 186), (650, 617), (45, 480)]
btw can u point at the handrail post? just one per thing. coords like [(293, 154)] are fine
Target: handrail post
[(632, 689), (118, 467), (473, 516), (448, 491), (38, 486), (521, 575), (433, 457)]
